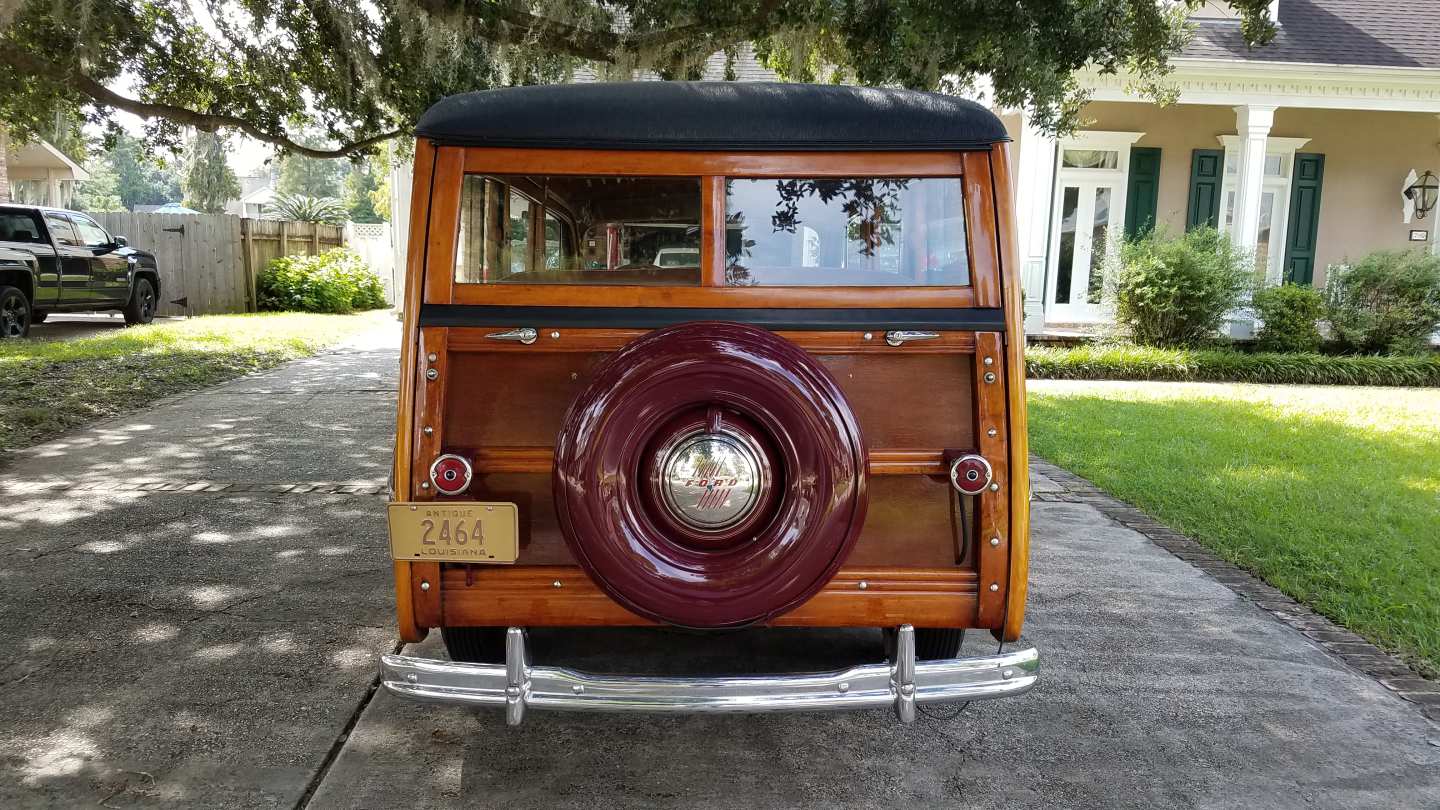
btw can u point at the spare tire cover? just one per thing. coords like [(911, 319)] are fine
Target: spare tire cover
[(710, 475)]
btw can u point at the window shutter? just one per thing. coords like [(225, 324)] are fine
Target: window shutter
[(1207, 170), (1304, 220), (1142, 191)]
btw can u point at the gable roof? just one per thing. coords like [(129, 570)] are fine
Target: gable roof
[(1380, 33)]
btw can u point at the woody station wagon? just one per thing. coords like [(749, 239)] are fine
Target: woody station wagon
[(712, 356)]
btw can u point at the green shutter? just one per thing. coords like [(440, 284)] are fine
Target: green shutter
[(1304, 220), (1143, 190), (1207, 170)]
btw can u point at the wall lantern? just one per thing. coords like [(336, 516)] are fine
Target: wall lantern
[(1423, 193)]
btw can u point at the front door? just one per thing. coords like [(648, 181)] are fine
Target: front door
[(1087, 214), (109, 270), (74, 260)]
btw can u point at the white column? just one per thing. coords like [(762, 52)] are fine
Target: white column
[(1034, 178), (1252, 125)]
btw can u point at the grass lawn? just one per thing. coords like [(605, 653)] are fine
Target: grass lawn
[(48, 387), (1332, 494)]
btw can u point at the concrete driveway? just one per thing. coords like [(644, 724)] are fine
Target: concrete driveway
[(193, 598)]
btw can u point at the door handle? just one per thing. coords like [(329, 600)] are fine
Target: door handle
[(901, 337), (524, 335)]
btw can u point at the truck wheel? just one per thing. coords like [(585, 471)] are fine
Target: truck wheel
[(711, 475), (15, 315), (141, 308), (931, 643), (475, 645)]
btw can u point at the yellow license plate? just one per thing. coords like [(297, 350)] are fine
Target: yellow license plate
[(455, 532)]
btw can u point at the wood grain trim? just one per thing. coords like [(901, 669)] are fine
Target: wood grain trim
[(553, 339), (601, 295), (980, 230), (429, 412), (496, 460), (712, 235), (481, 160), (528, 596), (409, 630), (993, 506), (1015, 395), (444, 226)]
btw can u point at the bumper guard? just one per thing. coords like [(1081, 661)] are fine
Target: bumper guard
[(902, 683)]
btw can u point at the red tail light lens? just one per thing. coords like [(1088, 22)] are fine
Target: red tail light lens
[(970, 474), (450, 474)]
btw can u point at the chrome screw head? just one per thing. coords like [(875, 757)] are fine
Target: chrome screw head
[(578, 689), (432, 357), (869, 336), (432, 374), (990, 377), (995, 486), (1007, 674), (864, 585), (994, 541), (428, 431), (555, 335), (412, 678), (843, 686), (556, 584), (424, 584), (424, 484), (992, 433), (994, 586), (989, 361)]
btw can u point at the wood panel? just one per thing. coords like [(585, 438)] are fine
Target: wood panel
[(557, 339), (443, 228), (902, 399), (564, 596), (980, 230), (479, 160), (993, 505), (1016, 414), (713, 234)]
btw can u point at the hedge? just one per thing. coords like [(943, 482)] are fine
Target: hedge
[(1123, 362)]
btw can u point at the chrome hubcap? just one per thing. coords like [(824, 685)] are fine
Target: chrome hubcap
[(711, 481)]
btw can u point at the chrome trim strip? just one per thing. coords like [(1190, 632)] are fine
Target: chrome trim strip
[(899, 337), (901, 684)]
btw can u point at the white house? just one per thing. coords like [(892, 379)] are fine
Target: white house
[(1299, 149), (40, 174)]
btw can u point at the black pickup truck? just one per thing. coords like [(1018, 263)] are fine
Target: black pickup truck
[(63, 261)]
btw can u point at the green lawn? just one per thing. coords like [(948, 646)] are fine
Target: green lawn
[(48, 387), (1331, 494)]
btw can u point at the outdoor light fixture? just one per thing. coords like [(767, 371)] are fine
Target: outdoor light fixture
[(1423, 193)]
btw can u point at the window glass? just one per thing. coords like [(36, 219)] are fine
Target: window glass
[(1065, 269), (91, 234), (536, 229), (844, 232), (19, 226), (1099, 238), (61, 230), (1090, 159)]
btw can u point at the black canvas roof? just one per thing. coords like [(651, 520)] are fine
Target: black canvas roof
[(721, 116)]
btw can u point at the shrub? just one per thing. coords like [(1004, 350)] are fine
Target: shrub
[(335, 281), (1289, 313), (1388, 301), (1123, 362), (1176, 291), (301, 208)]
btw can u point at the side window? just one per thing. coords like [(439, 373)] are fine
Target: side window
[(91, 234), (20, 226), (61, 230)]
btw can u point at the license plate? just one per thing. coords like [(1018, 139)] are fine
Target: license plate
[(455, 532)]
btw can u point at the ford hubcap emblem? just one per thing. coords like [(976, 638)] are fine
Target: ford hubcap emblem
[(712, 481)]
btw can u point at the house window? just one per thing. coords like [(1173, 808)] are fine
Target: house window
[(1090, 159), (1274, 198)]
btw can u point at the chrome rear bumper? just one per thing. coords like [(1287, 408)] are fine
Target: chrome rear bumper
[(901, 683)]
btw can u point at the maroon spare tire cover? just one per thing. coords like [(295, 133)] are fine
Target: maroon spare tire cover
[(711, 475)]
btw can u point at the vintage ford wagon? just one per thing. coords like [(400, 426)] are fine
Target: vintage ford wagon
[(710, 355)]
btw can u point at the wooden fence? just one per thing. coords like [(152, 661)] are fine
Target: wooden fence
[(210, 261)]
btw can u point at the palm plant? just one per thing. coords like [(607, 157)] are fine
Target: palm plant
[(301, 208)]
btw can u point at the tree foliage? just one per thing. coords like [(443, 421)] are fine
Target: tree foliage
[(310, 177), (209, 181), (365, 74), (124, 176)]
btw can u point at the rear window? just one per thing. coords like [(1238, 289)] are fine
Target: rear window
[(846, 232), (20, 226), (536, 229)]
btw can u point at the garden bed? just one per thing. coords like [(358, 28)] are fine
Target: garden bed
[(1123, 362)]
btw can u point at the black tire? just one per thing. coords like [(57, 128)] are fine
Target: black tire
[(931, 643), (475, 645), (38, 316), (15, 313), (141, 307)]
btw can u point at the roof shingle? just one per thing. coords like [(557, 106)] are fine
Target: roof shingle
[(1383, 33)]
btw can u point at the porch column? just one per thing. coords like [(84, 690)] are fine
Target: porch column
[(1252, 125), (1034, 179)]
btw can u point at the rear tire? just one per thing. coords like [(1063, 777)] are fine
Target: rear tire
[(931, 643), (15, 313), (475, 645), (141, 308)]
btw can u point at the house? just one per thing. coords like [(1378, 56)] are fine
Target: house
[(1299, 149), (256, 191), (40, 174)]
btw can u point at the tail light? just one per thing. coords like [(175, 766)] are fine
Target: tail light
[(970, 474), (450, 474)]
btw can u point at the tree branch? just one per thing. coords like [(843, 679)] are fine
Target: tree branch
[(207, 122)]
